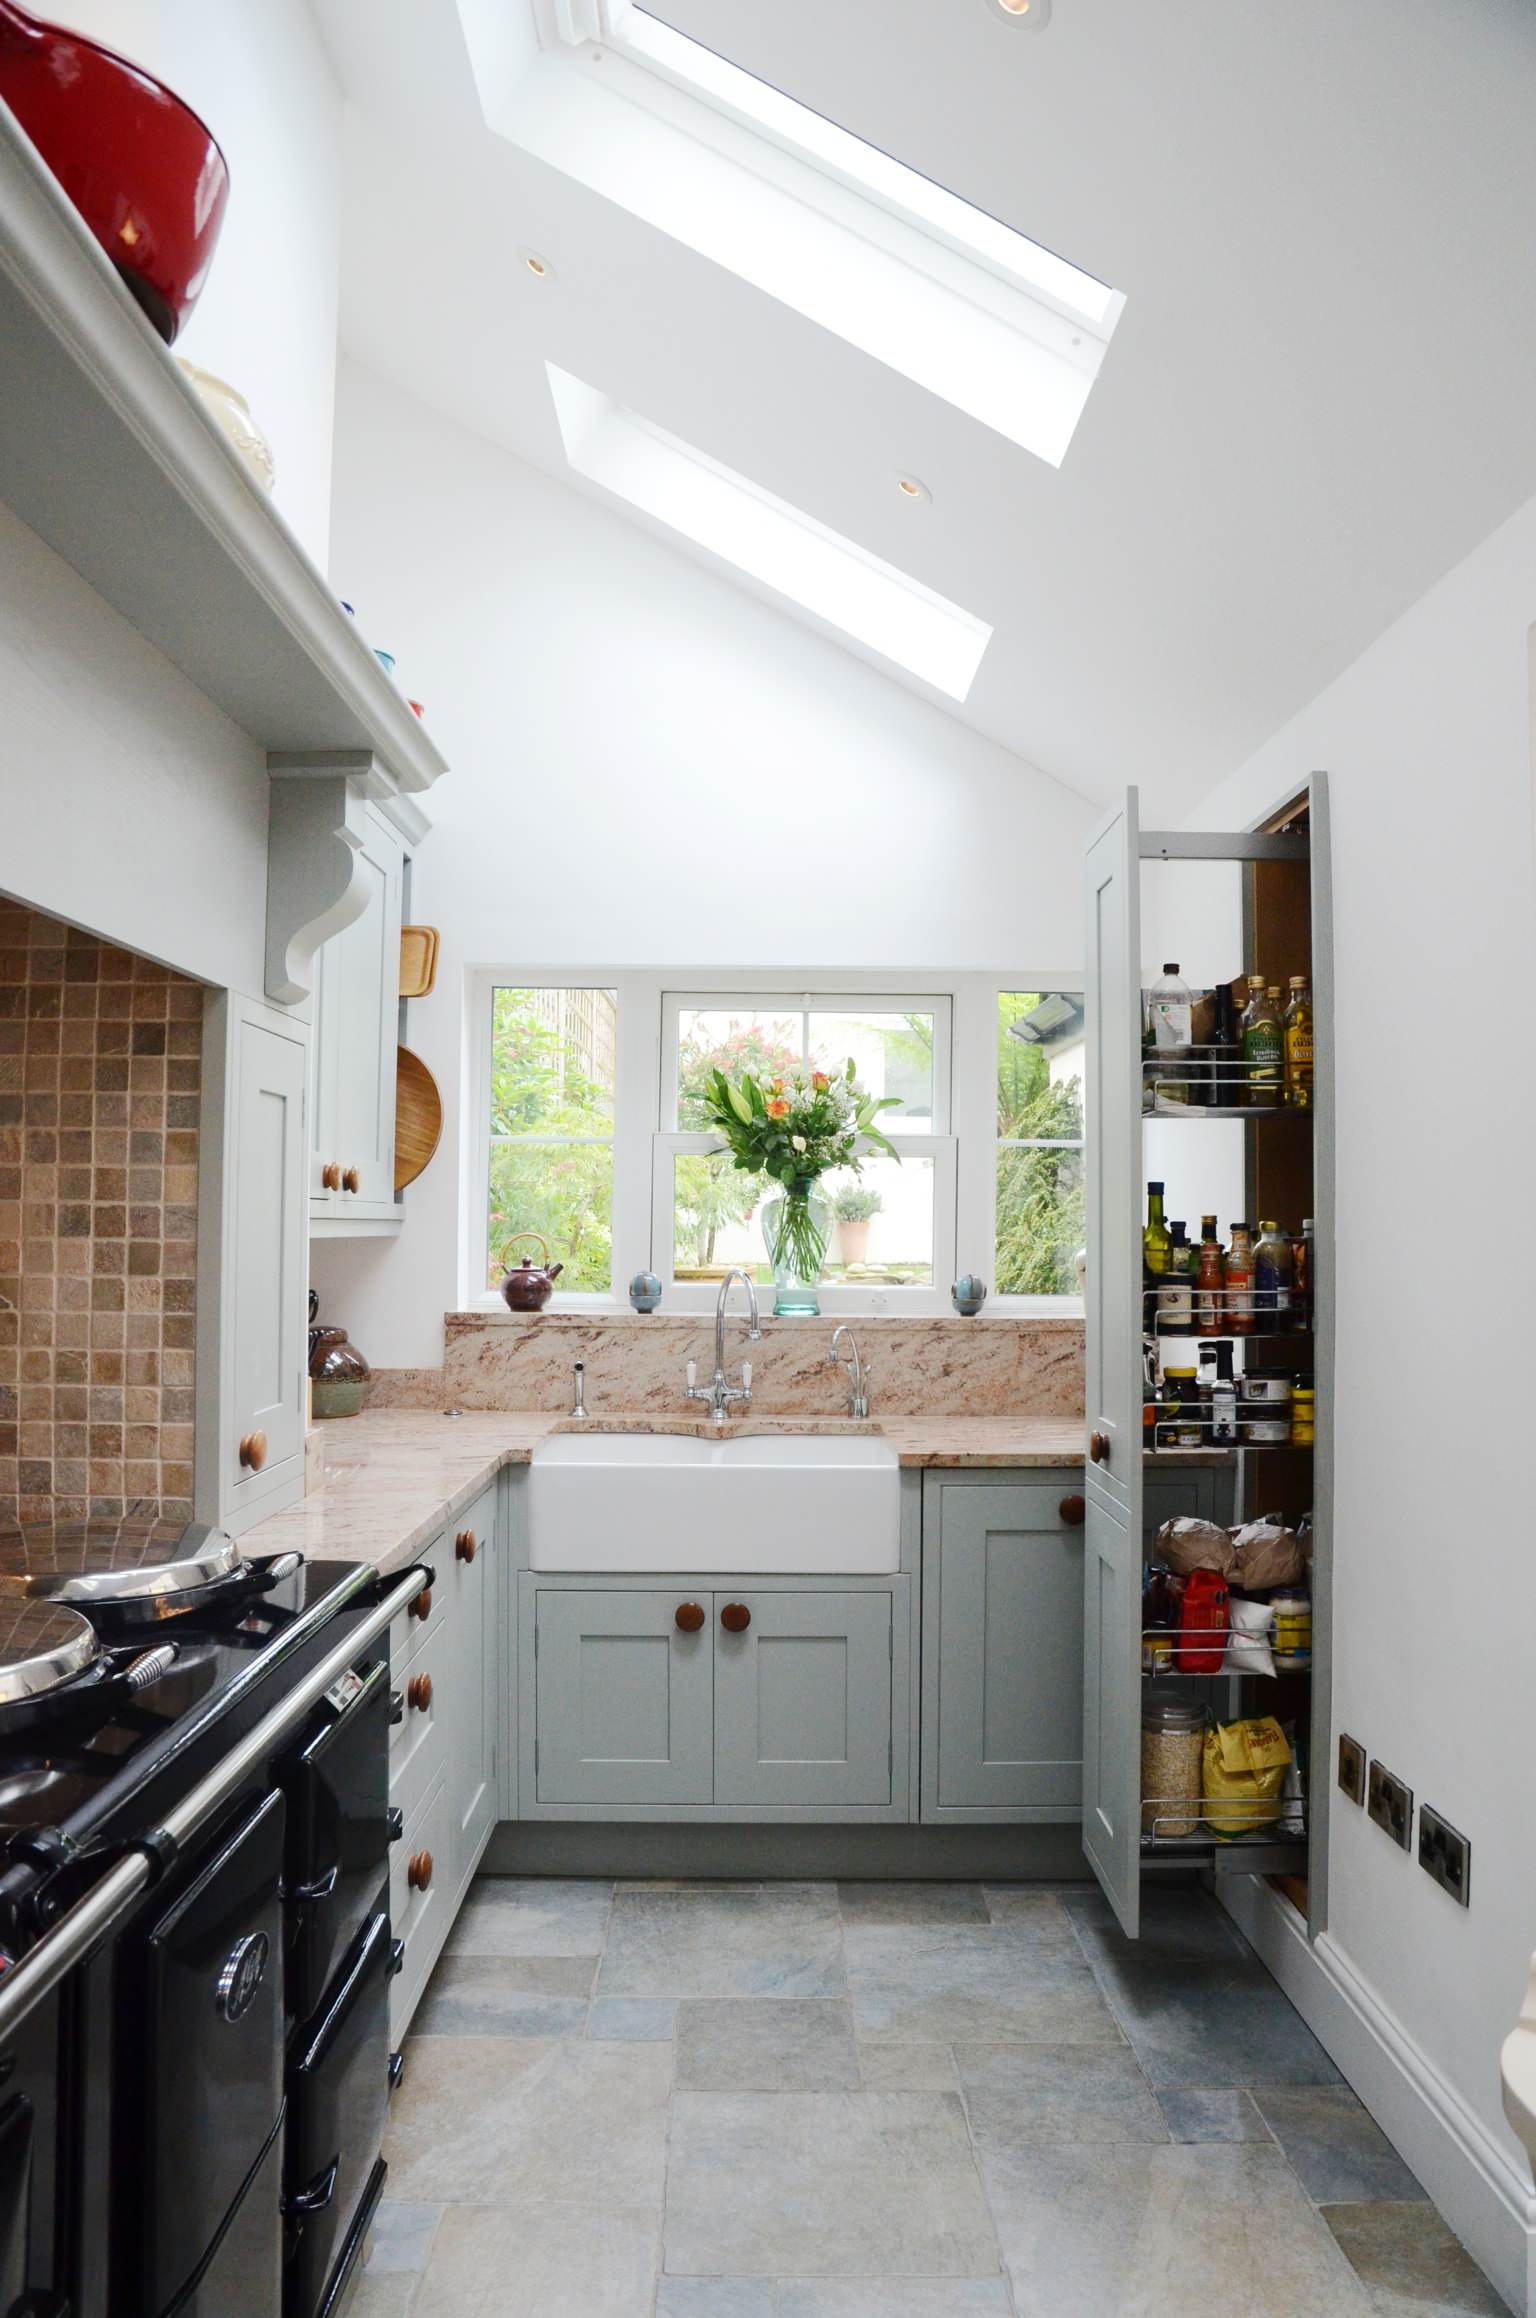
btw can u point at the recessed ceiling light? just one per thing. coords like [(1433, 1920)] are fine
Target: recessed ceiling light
[(911, 488), (537, 266), (1034, 13)]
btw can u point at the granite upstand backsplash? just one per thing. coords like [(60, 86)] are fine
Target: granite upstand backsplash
[(941, 1366)]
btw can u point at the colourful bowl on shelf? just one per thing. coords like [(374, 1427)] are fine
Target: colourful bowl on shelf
[(386, 660), (144, 172)]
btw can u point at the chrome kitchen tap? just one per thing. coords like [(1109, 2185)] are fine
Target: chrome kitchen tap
[(858, 1375), (718, 1392)]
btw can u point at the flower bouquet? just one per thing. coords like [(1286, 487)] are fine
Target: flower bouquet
[(795, 1128)]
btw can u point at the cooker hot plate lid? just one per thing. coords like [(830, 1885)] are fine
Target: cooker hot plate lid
[(42, 1645), (96, 1562)]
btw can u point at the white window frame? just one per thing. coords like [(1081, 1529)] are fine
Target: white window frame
[(963, 1145), (1002, 1143)]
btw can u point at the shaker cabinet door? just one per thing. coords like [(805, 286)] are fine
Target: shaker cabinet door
[(467, 1560), (251, 1340), (357, 1019), (1002, 1647), (624, 1708), (803, 1699)]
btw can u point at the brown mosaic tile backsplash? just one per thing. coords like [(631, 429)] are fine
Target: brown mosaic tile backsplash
[(100, 1062)]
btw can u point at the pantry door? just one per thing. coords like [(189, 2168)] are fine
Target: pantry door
[(1112, 1528)]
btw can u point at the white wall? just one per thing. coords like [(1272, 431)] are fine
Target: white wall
[(257, 73), (1428, 746), (131, 805), (650, 767)]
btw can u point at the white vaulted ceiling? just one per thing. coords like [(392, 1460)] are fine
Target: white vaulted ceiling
[(1317, 398)]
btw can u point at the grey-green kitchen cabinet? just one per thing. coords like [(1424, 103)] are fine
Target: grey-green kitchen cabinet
[(714, 1699), (469, 1563), (356, 1037)]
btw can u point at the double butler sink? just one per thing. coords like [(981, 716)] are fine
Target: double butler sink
[(801, 1503)]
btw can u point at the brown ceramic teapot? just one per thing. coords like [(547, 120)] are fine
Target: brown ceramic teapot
[(528, 1286)]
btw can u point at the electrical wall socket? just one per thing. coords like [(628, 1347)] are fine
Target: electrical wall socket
[(1445, 1855), (1390, 1804), (1351, 1767)]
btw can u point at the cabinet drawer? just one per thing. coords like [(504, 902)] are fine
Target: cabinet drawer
[(420, 1918), (418, 1743)]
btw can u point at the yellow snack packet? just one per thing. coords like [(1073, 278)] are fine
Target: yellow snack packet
[(1243, 1774)]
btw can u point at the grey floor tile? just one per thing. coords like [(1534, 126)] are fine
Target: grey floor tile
[(1038, 1908), (812, 2185), (401, 2238), (1023, 2095), (893, 2298), (1165, 2232), (1411, 2263), (508, 1915), (1212, 2024), (492, 2120), (716, 2298), (942, 1984), (387, 2295), (908, 2068), (1194, 2113), (483, 1996), (543, 2261), (773, 2044), (1180, 1923), (912, 1903), (1339, 2153), (633, 2019), (780, 1940)]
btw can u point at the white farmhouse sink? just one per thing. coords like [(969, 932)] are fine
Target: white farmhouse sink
[(769, 1503)]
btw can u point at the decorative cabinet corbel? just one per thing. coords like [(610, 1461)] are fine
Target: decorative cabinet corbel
[(316, 886)]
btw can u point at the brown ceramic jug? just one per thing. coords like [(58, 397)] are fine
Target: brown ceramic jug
[(528, 1286)]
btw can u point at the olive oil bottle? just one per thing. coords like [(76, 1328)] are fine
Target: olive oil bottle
[(1263, 1048), (1298, 1045)]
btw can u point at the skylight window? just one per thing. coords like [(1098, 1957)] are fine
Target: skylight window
[(764, 537), (847, 236), (904, 192)]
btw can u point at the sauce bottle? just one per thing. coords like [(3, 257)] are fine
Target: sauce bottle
[(1210, 1279), (1156, 1240), (1239, 1272), (1272, 1277), (1176, 1297)]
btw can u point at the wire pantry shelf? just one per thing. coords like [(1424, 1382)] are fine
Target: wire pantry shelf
[(1174, 1433), (1269, 1317), (1228, 1819), (1210, 1082), (1160, 1646)]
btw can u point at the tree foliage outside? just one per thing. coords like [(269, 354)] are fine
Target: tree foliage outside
[(1041, 1211), (546, 1094)]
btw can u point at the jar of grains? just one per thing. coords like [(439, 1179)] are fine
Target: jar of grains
[(1172, 1733)]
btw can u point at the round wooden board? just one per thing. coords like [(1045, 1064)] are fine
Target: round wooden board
[(418, 1116)]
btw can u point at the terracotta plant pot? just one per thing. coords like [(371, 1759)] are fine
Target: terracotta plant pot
[(853, 1241)]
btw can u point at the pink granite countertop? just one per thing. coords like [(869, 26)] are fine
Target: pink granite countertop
[(394, 1477)]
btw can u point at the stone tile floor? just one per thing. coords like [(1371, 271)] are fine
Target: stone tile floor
[(802, 2100)]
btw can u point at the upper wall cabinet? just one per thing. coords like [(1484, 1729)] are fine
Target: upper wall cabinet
[(356, 1032)]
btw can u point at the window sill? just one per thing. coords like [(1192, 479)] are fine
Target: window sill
[(680, 1304)]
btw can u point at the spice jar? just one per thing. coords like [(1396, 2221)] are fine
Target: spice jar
[(1304, 1415), (1181, 1427), (1172, 1735)]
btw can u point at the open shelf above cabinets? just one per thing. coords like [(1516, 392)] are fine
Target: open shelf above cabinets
[(109, 456)]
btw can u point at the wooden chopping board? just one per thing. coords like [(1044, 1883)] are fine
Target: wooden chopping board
[(418, 1116)]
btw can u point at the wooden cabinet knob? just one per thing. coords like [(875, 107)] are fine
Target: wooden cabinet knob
[(418, 1872), (1073, 1511), (418, 1692), (688, 1617), (330, 1176), (422, 1605), (253, 1451), (464, 1546), (1098, 1448), (735, 1617), (351, 1180)]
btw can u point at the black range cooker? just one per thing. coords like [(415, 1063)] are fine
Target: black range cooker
[(194, 1938)]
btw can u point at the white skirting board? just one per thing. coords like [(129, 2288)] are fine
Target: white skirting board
[(1484, 2191)]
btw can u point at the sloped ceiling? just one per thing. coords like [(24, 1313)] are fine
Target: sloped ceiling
[(1318, 399)]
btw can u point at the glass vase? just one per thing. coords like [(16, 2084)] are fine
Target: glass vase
[(796, 1224)]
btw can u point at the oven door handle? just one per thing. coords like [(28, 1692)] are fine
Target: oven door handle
[(77, 1931), (321, 1888), (318, 2195)]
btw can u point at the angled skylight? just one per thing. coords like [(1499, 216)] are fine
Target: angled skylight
[(878, 255), (771, 542)]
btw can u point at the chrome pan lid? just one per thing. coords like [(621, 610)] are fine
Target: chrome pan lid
[(42, 1645), (100, 1562)]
